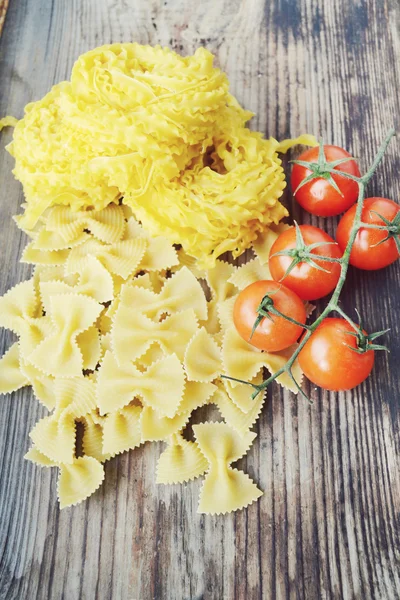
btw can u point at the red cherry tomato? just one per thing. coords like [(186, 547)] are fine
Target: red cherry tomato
[(305, 280), (329, 362), (318, 196), (271, 334), (366, 254)]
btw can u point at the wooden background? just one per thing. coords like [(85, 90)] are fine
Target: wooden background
[(327, 526)]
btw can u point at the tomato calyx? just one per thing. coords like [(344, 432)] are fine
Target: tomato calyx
[(323, 169), (365, 341), (266, 309), (302, 253), (391, 227)]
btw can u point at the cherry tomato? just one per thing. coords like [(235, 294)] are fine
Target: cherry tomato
[(318, 196), (327, 360), (306, 281), (271, 334), (366, 254)]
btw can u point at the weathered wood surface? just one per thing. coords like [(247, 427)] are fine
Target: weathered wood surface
[(328, 524)]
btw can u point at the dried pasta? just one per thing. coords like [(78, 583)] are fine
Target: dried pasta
[(121, 334)]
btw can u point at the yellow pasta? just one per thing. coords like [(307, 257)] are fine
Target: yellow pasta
[(243, 361), (160, 386), (11, 376), (59, 354), (79, 480), (122, 258), (121, 430), (74, 397), (233, 416), (249, 273), (38, 458), (265, 240), (55, 438), (133, 334), (202, 357), (92, 440), (107, 225), (179, 293), (32, 256), (224, 488), (120, 332), (181, 461), (155, 427), (42, 385)]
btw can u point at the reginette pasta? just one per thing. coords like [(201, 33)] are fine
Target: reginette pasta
[(163, 133)]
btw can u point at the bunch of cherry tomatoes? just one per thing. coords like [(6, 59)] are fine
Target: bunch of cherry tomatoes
[(332, 357)]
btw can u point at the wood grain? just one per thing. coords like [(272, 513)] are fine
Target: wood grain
[(3, 10), (328, 525)]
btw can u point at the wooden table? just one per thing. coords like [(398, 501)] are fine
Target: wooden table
[(328, 524)]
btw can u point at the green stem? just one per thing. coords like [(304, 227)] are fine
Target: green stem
[(344, 262)]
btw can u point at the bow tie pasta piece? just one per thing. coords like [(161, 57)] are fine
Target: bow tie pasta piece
[(42, 385), (243, 361), (225, 312), (249, 273), (265, 240), (32, 256), (59, 354), (218, 280), (94, 281), (196, 394), (224, 489), (18, 310), (52, 273), (79, 480), (133, 334), (181, 292), (274, 361), (51, 241), (121, 430), (92, 440), (181, 461), (202, 357), (155, 427), (240, 359), (38, 458), (89, 344), (107, 225), (161, 386), (75, 397), (233, 416), (32, 333), (241, 394), (160, 253), (185, 260), (55, 438), (122, 258), (18, 304), (11, 376)]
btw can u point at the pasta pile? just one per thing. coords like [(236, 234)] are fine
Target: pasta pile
[(116, 333), (161, 132)]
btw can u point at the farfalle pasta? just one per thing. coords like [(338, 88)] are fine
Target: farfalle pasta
[(224, 488), (125, 328)]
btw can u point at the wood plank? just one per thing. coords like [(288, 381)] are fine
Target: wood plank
[(3, 10), (328, 524)]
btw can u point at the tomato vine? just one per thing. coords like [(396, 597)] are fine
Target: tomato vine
[(364, 342)]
